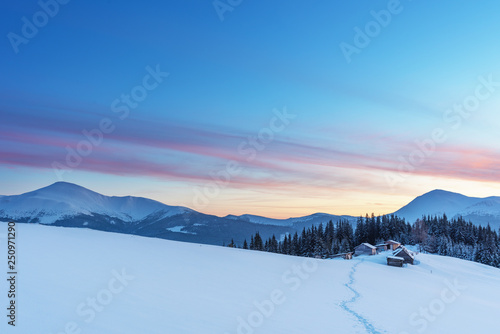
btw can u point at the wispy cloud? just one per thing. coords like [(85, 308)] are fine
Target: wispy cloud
[(167, 150)]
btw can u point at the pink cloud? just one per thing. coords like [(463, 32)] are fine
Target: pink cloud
[(174, 151)]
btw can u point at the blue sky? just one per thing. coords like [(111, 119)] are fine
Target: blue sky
[(228, 79)]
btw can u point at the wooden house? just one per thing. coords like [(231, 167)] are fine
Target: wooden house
[(388, 245), (392, 245), (365, 249), (395, 261), (382, 247), (404, 253)]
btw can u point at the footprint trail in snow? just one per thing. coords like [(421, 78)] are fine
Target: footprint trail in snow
[(345, 304)]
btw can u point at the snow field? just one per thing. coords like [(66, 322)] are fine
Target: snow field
[(82, 281)]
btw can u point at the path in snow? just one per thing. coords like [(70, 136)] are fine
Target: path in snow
[(344, 304)]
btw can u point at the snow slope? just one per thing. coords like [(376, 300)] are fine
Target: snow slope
[(64, 199), (73, 280)]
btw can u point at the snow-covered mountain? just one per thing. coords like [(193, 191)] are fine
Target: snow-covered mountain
[(70, 205), (91, 282), (437, 202), (60, 200)]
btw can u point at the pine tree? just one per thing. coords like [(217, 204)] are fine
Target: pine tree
[(258, 243), (344, 246), (359, 233), (296, 245)]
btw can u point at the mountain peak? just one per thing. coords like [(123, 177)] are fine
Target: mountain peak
[(441, 192), (438, 202), (64, 191), (64, 199), (64, 185)]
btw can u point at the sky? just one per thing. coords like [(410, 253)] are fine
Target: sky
[(280, 109)]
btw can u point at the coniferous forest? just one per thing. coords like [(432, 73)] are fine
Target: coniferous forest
[(434, 235)]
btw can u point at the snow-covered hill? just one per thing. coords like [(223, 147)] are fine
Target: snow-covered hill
[(70, 205), (63, 199), (70, 281), (478, 210)]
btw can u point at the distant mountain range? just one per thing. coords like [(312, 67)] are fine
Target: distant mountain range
[(70, 205), (480, 211)]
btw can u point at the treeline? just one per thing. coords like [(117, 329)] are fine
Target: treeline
[(334, 238), (435, 235), (458, 238)]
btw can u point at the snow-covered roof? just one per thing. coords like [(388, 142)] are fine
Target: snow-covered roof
[(380, 245), (392, 242), (396, 258), (367, 245), (403, 249)]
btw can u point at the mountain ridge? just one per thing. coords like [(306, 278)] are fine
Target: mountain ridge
[(70, 205), (65, 199), (480, 210)]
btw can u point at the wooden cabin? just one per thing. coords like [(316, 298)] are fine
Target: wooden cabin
[(365, 249), (388, 245), (395, 261), (392, 245), (404, 253)]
